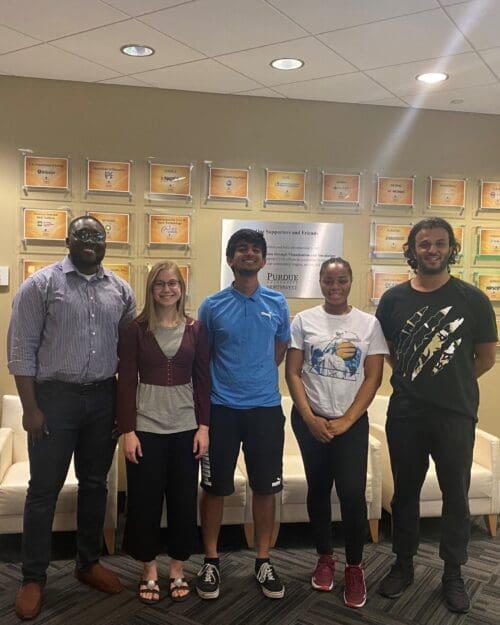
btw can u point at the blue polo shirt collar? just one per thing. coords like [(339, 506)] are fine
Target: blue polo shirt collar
[(241, 296)]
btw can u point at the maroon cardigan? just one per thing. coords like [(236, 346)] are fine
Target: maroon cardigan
[(140, 357)]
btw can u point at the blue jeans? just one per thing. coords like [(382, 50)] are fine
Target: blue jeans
[(80, 422)]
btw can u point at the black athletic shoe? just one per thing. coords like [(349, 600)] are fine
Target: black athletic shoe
[(397, 580), (456, 597), (269, 581), (208, 581)]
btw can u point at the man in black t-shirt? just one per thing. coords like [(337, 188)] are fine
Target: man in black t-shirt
[(442, 336)]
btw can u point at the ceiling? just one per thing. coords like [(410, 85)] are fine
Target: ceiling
[(364, 51)]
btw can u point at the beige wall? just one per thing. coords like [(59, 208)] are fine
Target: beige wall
[(120, 123)]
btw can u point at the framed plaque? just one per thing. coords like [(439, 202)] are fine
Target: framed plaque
[(340, 189), (115, 224), (43, 172), (458, 231), (120, 269), (170, 180), (184, 269), (169, 229), (385, 277), (447, 192), (285, 187), (488, 244), (489, 283), (108, 177), (45, 224), (395, 191), (295, 252), (387, 240), (228, 184), (30, 266), (490, 195)]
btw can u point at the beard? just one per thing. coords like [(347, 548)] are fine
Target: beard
[(89, 261), (422, 268), (84, 261)]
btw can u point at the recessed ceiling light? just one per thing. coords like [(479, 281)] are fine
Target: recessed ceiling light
[(286, 64), (432, 77), (135, 49)]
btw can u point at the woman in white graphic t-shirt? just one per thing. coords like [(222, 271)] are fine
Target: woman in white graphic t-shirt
[(333, 370)]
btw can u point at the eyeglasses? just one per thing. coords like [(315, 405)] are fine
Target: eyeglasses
[(84, 235), (161, 284)]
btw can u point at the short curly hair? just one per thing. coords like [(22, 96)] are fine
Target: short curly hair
[(430, 223)]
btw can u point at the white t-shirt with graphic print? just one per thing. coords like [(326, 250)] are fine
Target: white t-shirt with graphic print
[(335, 348)]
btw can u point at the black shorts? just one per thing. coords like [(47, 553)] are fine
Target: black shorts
[(261, 431)]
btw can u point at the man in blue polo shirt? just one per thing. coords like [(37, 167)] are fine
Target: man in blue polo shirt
[(248, 329)]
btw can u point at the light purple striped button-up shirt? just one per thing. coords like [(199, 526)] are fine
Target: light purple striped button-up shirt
[(65, 327)]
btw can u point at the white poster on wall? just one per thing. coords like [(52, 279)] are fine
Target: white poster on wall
[(295, 252)]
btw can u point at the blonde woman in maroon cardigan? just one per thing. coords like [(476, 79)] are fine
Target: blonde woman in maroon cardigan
[(163, 412)]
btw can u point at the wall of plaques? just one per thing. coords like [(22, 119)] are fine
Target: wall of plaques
[(149, 223), (164, 170)]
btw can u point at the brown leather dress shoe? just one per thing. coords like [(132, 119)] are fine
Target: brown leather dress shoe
[(29, 600), (100, 578)]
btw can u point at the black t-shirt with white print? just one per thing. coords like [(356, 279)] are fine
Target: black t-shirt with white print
[(434, 335)]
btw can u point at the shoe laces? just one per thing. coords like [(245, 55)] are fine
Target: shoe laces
[(209, 573), (355, 578), (266, 572)]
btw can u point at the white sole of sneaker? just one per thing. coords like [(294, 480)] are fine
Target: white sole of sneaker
[(273, 594), (322, 588), (349, 604), (208, 595)]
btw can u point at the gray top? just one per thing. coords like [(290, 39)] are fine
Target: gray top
[(65, 327), (166, 409)]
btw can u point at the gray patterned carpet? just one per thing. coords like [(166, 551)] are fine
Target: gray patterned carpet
[(241, 602)]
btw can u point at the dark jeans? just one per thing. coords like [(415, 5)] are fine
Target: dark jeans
[(343, 460), (80, 423), (450, 442), (167, 471)]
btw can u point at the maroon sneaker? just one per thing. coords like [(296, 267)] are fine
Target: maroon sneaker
[(354, 588), (322, 578)]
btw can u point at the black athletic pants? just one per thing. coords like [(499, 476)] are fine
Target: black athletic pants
[(450, 442)]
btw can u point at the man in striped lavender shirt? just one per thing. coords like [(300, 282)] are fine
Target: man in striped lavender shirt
[(62, 343)]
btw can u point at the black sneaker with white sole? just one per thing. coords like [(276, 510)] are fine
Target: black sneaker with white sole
[(270, 583), (208, 581)]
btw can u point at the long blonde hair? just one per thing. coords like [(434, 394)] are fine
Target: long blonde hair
[(148, 313)]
